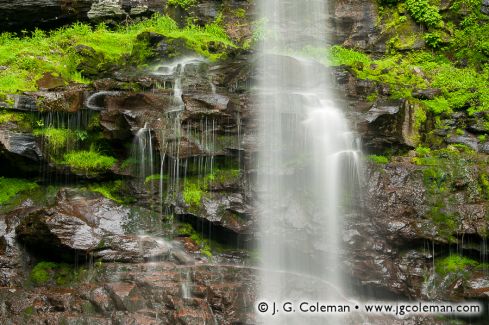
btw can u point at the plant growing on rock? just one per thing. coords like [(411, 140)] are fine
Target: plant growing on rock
[(89, 162), (12, 186), (425, 13), (454, 264), (185, 4)]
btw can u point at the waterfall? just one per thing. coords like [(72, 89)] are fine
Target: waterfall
[(308, 165), (142, 152)]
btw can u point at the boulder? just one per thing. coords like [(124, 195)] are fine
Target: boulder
[(86, 223), (54, 13)]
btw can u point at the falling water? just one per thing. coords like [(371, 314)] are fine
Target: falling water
[(143, 152), (307, 166)]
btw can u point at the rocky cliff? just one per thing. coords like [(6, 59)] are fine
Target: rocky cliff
[(418, 102)]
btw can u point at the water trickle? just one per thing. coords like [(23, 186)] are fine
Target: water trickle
[(308, 165), (186, 285), (142, 152), (91, 102)]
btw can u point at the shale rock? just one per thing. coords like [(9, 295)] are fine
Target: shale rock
[(86, 223)]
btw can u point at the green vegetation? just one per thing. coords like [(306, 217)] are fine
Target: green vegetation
[(193, 193), (12, 186), (108, 190), (28, 58), (223, 175), (381, 160), (154, 178), (57, 138), (204, 244), (454, 264), (195, 188), (182, 3), (425, 13), (88, 162), (45, 273)]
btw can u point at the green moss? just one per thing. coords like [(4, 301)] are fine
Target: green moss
[(45, 273), (446, 224), (185, 229), (193, 193), (484, 181), (28, 58), (12, 186), (182, 3), (154, 178), (88, 161), (454, 264), (378, 159), (108, 190), (222, 175), (425, 13), (57, 138), (29, 311)]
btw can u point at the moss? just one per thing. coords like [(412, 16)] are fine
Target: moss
[(57, 138), (28, 311), (204, 244), (454, 264), (28, 58), (154, 178), (45, 273), (222, 175), (185, 4), (381, 160), (12, 186), (484, 182), (446, 224), (109, 190), (88, 162), (423, 12), (193, 193)]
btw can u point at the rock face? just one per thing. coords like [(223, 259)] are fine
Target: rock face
[(57, 12), (140, 294), (85, 223), (406, 234)]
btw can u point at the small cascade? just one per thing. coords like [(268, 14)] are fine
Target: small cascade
[(93, 103), (176, 71), (186, 285), (142, 152)]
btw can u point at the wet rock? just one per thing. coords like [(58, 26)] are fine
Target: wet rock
[(485, 7), (20, 144), (68, 100), (389, 123), (92, 63), (355, 24), (426, 93), (48, 81), (86, 223), (162, 47), (484, 147), (465, 139), (12, 257), (106, 8)]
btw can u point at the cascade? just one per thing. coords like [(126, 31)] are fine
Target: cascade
[(308, 165)]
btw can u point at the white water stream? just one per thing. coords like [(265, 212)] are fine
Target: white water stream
[(308, 165)]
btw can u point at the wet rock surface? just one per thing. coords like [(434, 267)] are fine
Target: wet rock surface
[(87, 223)]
